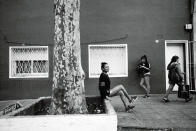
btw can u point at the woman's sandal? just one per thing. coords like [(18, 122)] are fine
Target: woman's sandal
[(166, 100), (146, 96), (189, 99), (133, 98), (129, 107)]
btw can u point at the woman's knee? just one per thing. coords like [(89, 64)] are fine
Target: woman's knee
[(171, 86), (147, 79), (148, 85), (121, 93), (120, 87), (141, 84)]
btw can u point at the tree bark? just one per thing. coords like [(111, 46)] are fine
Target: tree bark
[(68, 96)]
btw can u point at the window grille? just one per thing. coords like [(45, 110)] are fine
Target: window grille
[(28, 61), (114, 54)]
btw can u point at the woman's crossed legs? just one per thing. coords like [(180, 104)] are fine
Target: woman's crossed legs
[(119, 90)]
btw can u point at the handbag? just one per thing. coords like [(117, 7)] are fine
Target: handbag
[(183, 91)]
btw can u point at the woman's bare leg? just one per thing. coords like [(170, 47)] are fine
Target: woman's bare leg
[(171, 86), (142, 85), (121, 94), (118, 88), (116, 92), (147, 81)]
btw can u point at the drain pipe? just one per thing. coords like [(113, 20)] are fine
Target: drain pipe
[(194, 40)]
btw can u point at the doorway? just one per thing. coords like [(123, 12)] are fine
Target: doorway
[(179, 48)]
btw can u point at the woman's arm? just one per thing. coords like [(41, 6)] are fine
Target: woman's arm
[(138, 66), (168, 67), (179, 71), (147, 68), (102, 84)]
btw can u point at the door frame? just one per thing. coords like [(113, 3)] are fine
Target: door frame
[(186, 58)]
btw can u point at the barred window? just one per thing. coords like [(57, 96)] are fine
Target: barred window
[(28, 62), (114, 54)]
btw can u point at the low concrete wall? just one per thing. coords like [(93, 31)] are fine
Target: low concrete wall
[(68, 122), (29, 109)]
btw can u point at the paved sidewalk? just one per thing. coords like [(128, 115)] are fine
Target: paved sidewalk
[(151, 113)]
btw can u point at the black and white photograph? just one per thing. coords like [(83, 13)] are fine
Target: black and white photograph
[(97, 65)]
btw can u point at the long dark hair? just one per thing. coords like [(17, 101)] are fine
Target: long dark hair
[(144, 57), (174, 59)]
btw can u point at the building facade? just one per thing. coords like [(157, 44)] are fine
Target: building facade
[(118, 32)]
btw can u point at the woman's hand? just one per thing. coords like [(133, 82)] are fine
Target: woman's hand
[(144, 67), (174, 63), (108, 98)]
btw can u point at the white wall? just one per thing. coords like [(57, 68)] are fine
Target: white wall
[(102, 122)]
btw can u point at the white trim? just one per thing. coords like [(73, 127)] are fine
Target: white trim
[(10, 76), (185, 42), (28, 46), (32, 75), (126, 64), (89, 67), (109, 45)]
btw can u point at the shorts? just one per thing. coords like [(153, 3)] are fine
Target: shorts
[(146, 75)]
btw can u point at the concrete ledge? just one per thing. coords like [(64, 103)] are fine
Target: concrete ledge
[(29, 109), (68, 122), (109, 108)]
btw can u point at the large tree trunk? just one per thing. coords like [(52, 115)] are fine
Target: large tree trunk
[(68, 89)]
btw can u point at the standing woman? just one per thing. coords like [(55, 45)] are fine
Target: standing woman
[(174, 67), (144, 73)]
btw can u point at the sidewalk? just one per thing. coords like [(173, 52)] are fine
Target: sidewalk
[(152, 114), (149, 114)]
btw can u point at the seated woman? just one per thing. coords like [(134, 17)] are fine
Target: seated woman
[(106, 92)]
